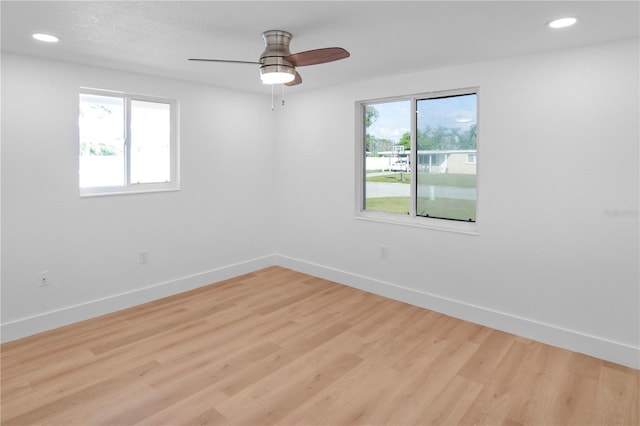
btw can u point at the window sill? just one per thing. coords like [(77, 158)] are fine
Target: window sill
[(469, 228), (106, 192)]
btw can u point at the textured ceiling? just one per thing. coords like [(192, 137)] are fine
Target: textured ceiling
[(384, 38)]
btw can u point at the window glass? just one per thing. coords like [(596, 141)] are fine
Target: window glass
[(150, 142), (419, 160), (446, 130), (127, 143), (102, 137), (387, 156)]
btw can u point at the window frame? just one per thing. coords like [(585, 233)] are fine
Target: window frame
[(133, 187), (470, 161), (411, 219)]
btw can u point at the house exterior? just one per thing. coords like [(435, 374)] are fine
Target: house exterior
[(453, 161)]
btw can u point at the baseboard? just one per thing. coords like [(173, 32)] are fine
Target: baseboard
[(598, 347), (49, 320), (595, 346)]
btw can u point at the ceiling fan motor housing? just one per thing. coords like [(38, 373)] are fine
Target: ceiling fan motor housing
[(276, 49)]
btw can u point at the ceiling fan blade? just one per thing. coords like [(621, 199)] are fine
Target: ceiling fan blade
[(295, 81), (317, 56), (225, 60)]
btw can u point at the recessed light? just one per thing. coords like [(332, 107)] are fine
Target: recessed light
[(48, 38), (562, 22)]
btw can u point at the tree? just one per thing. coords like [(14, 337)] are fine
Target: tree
[(405, 141), (468, 138), (426, 140), (370, 142), (370, 116), (446, 138), (97, 148)]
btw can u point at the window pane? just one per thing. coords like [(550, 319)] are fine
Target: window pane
[(101, 126), (387, 152), (150, 142), (447, 157)]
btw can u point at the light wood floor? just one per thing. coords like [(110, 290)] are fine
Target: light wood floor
[(281, 347)]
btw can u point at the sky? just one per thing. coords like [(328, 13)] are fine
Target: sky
[(394, 117)]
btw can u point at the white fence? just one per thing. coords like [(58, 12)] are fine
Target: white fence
[(380, 163), (446, 161)]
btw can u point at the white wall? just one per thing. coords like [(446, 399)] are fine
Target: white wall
[(557, 255), (219, 225)]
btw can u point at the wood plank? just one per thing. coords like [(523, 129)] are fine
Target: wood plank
[(280, 347), (575, 400), (355, 389), (502, 390), (288, 390), (79, 402), (449, 407), (616, 388), (542, 385)]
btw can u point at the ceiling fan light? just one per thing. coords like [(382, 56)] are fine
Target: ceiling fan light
[(277, 74), (47, 38), (562, 22)]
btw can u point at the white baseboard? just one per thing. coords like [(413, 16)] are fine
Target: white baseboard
[(49, 320), (598, 347), (595, 346)]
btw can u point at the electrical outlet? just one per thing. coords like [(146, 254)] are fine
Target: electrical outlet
[(384, 252), (143, 257), (43, 279)]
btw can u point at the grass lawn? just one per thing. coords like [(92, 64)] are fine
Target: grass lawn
[(398, 205), (443, 207), (391, 178), (437, 179), (449, 208), (447, 179)]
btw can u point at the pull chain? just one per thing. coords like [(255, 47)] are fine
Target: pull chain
[(282, 94), (273, 97)]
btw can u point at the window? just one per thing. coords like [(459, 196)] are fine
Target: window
[(127, 143), (419, 159)]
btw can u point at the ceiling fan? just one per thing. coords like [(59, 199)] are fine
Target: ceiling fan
[(278, 64)]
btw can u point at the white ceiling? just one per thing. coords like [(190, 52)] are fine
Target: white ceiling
[(384, 38)]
